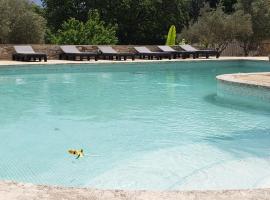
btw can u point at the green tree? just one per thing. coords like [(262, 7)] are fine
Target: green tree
[(195, 6), (57, 12), (217, 29), (97, 32), (242, 30), (93, 31), (261, 19), (20, 23), (259, 10), (4, 21), (72, 32)]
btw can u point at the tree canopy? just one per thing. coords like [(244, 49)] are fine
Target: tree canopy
[(20, 23), (138, 22), (217, 29), (248, 20)]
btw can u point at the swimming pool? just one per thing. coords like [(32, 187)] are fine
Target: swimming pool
[(155, 126)]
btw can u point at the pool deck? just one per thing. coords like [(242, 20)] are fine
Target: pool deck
[(19, 191), (53, 62), (26, 191)]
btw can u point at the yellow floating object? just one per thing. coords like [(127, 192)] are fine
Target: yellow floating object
[(78, 153)]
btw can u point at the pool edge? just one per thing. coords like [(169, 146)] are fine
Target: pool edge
[(61, 62), (13, 190), (237, 79)]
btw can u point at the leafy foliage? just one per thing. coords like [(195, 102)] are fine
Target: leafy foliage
[(20, 23), (93, 31), (260, 17), (217, 29), (4, 21), (139, 22)]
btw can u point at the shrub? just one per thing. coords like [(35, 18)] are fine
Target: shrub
[(94, 31), (171, 36)]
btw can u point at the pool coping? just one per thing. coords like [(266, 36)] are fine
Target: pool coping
[(25, 191), (248, 81), (56, 62)]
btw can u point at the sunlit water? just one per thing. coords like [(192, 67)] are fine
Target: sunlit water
[(142, 126)]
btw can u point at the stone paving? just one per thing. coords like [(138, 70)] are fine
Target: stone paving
[(252, 79), (20, 191)]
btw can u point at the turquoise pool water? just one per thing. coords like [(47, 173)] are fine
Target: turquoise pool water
[(142, 126)]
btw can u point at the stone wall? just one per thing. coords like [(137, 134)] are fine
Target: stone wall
[(53, 51), (265, 48), (234, 49)]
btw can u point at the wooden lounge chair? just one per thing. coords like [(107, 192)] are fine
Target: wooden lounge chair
[(144, 52), (110, 53), (198, 52), (26, 53), (70, 52), (174, 53)]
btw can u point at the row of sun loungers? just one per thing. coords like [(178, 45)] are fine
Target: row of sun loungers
[(70, 52)]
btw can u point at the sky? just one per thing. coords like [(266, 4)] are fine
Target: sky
[(37, 2)]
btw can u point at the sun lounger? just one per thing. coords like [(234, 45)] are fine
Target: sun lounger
[(174, 53), (144, 52), (198, 52), (70, 52), (110, 53), (26, 53)]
